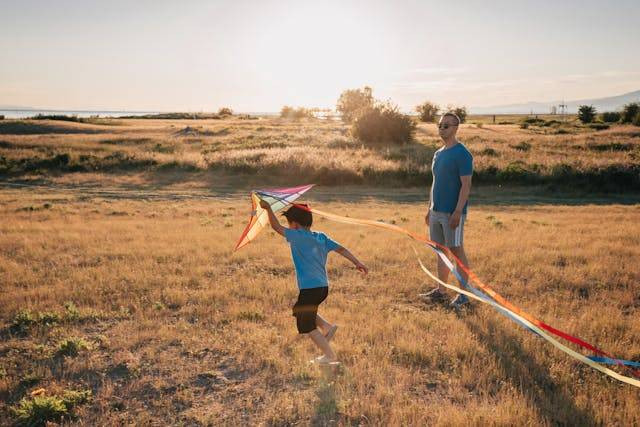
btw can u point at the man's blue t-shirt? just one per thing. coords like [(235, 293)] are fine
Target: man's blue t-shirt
[(309, 250), (448, 165)]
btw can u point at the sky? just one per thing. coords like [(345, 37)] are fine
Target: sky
[(256, 56)]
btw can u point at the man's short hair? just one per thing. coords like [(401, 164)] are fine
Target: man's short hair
[(452, 114), (300, 214)]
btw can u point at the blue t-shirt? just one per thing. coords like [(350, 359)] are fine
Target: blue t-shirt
[(448, 165), (309, 250)]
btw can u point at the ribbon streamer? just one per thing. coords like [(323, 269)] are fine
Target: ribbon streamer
[(489, 296)]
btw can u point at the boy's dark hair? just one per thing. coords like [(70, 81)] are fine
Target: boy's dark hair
[(300, 214)]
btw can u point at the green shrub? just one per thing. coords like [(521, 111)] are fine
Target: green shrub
[(71, 347), (427, 112), (610, 116), (630, 112), (22, 322), (225, 111), (42, 409), (636, 121), (586, 113), (383, 123), (351, 101)]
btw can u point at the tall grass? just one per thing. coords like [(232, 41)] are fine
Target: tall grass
[(180, 330), (280, 151)]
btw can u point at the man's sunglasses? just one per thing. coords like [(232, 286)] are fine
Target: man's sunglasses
[(446, 126)]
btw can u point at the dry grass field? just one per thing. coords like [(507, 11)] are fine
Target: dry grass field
[(284, 151), (141, 308)]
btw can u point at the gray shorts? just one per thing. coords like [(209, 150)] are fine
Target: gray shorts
[(441, 232)]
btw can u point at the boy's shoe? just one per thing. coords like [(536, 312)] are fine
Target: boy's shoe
[(331, 333), (459, 301), (435, 295), (324, 360)]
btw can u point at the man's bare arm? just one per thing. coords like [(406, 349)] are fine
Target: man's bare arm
[(465, 189)]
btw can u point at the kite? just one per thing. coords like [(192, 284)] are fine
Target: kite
[(277, 198), (280, 198)]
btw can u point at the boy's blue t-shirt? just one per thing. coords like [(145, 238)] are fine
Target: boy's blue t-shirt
[(309, 250), (448, 165)]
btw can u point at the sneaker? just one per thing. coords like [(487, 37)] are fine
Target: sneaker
[(434, 295), (331, 333), (324, 360), (459, 301)]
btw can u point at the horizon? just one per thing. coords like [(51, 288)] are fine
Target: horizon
[(156, 57)]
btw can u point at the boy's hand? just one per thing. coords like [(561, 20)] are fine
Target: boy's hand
[(362, 268), (264, 205)]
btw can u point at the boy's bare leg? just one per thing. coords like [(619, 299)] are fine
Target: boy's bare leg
[(322, 343), (323, 324)]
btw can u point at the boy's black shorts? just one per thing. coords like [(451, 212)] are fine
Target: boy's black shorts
[(306, 308)]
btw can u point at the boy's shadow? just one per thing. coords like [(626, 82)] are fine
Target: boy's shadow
[(533, 380)]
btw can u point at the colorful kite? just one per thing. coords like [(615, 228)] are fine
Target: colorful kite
[(279, 198)]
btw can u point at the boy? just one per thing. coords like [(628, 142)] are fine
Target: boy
[(309, 251)]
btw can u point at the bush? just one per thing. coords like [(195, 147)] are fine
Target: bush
[(22, 322), (225, 111), (610, 116), (295, 113), (353, 100), (586, 113), (534, 121), (636, 121), (599, 126), (42, 409), (630, 111), (427, 112), (71, 347), (383, 123)]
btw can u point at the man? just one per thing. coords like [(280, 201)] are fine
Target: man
[(452, 168)]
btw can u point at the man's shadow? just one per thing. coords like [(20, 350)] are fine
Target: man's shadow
[(533, 380)]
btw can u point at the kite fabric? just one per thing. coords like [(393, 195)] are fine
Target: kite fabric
[(278, 199), (282, 197)]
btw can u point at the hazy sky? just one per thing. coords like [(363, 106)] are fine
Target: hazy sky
[(261, 55)]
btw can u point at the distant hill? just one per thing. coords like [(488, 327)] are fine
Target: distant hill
[(611, 103), (16, 107)]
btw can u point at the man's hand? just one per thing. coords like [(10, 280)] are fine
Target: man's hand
[(454, 219), (426, 218), (264, 205), (362, 268)]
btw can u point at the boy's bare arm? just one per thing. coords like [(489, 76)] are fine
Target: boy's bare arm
[(348, 255), (273, 220)]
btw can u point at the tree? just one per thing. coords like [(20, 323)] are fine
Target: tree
[(427, 111), (630, 111), (586, 113), (352, 100), (225, 111)]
